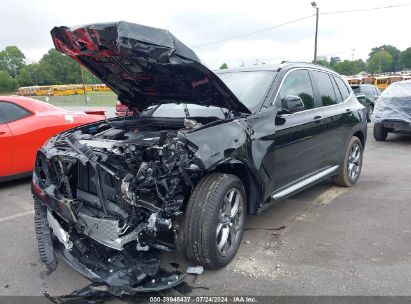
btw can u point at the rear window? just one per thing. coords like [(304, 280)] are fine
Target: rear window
[(325, 87), (10, 112)]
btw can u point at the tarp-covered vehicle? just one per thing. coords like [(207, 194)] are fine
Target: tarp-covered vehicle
[(392, 112), (180, 174)]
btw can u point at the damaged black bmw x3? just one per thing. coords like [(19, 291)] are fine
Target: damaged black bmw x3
[(200, 152)]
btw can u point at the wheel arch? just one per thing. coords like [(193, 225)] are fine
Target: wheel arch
[(251, 186), (361, 136)]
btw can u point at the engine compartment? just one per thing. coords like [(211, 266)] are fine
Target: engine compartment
[(126, 182)]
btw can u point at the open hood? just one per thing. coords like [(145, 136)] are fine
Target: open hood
[(144, 65)]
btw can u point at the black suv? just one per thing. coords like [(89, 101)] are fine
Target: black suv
[(204, 150), (367, 94)]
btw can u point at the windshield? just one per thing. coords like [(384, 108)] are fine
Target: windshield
[(250, 87)]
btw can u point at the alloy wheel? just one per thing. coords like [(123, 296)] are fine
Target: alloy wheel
[(354, 162), (230, 222)]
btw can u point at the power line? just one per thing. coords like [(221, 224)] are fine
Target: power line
[(365, 9), (252, 33), (297, 20)]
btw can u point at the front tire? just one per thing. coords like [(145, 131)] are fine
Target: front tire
[(214, 220), (351, 165), (380, 133)]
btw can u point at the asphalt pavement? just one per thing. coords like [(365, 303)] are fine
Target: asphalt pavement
[(324, 241)]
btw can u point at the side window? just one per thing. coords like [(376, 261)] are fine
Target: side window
[(325, 87), (10, 112), (345, 92), (336, 90), (296, 92)]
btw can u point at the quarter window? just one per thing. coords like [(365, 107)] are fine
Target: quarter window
[(296, 93), (345, 92), (325, 87), (10, 112)]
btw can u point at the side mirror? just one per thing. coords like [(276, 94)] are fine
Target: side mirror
[(293, 103)]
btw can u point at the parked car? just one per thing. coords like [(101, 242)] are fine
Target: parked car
[(25, 124), (123, 110), (205, 150), (367, 94), (393, 111)]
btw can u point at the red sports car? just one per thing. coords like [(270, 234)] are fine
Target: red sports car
[(25, 124)]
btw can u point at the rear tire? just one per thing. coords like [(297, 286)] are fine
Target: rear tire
[(214, 220), (351, 166), (380, 133)]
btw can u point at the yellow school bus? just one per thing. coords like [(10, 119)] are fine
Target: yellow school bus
[(353, 80)]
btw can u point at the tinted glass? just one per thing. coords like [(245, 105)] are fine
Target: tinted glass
[(336, 90), (345, 92), (326, 88), (367, 90), (356, 89), (297, 84), (10, 112), (249, 87)]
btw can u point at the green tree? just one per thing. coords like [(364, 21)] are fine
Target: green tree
[(57, 68), (334, 60), (348, 67), (380, 62), (12, 60), (394, 52), (224, 66), (405, 59), (323, 62), (24, 78), (7, 83)]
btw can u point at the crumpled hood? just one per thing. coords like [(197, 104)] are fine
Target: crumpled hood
[(144, 65)]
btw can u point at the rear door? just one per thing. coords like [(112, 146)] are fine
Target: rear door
[(334, 95), (299, 137)]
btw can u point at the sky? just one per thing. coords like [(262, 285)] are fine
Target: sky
[(27, 24)]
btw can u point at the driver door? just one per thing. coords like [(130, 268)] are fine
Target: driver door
[(299, 138), (6, 146)]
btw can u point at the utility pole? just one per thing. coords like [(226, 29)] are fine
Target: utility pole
[(317, 9), (84, 86)]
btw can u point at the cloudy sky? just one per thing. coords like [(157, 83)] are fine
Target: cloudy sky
[(27, 23)]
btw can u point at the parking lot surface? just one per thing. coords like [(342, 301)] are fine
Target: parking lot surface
[(324, 241)]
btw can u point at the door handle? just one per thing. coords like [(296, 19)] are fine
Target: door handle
[(317, 118), (2, 132)]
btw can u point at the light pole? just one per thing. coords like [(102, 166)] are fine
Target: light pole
[(314, 5)]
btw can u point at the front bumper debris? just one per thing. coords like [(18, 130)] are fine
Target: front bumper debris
[(117, 275)]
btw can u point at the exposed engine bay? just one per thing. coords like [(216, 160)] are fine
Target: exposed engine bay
[(123, 185)]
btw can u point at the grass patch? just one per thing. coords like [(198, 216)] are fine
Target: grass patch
[(93, 99)]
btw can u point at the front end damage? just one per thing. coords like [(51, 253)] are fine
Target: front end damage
[(110, 199)]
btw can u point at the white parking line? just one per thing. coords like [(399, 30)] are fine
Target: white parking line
[(329, 195), (14, 216), (23, 204)]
